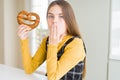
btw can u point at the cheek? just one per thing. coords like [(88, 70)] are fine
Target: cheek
[(63, 26)]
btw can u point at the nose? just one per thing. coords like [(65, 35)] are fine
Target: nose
[(55, 20)]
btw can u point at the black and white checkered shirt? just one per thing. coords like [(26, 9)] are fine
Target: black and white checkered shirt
[(76, 72)]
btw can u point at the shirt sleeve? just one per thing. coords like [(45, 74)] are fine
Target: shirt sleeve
[(73, 54), (31, 63)]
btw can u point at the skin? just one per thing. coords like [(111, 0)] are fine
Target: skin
[(56, 25), (23, 31)]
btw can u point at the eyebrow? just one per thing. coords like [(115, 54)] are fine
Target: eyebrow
[(53, 14)]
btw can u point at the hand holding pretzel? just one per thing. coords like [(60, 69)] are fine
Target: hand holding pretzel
[(30, 19)]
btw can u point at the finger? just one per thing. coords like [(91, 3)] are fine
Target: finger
[(20, 27), (61, 36), (22, 34), (23, 28), (27, 27), (57, 31), (54, 31), (50, 34)]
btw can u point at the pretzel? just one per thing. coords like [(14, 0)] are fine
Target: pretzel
[(26, 18)]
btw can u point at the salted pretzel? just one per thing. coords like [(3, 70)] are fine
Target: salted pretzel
[(31, 19)]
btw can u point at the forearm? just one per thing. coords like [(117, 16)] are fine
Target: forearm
[(26, 56), (32, 63), (52, 62)]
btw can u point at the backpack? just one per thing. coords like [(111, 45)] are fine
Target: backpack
[(76, 72)]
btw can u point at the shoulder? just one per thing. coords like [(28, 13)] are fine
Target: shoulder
[(77, 41), (77, 46)]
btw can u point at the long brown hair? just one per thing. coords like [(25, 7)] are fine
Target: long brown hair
[(69, 17)]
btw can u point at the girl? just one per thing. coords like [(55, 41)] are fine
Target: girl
[(70, 65)]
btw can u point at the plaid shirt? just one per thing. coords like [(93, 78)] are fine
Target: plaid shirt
[(76, 72)]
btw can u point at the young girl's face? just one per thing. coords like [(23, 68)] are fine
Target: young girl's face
[(55, 18)]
